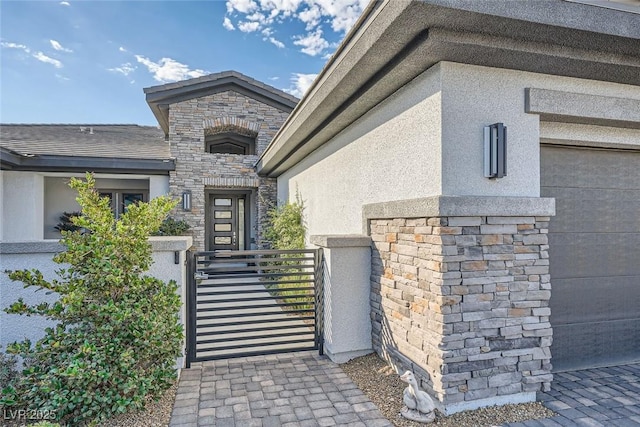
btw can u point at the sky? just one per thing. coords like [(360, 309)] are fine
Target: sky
[(87, 62)]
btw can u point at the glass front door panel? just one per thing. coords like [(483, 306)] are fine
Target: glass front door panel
[(227, 226)]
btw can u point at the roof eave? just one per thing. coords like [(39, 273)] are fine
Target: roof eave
[(10, 160), (421, 34)]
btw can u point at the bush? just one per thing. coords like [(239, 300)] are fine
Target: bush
[(8, 371), (285, 228), (66, 222), (171, 227), (118, 333)]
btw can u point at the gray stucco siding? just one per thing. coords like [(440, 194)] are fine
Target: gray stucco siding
[(390, 153)]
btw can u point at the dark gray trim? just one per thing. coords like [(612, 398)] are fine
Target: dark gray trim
[(50, 163)]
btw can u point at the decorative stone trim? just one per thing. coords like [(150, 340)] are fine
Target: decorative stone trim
[(467, 300), (439, 206), (230, 124), (234, 182)]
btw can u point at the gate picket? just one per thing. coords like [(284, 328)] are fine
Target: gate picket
[(243, 303)]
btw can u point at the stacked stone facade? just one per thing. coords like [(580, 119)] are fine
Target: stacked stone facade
[(202, 172), (464, 302)]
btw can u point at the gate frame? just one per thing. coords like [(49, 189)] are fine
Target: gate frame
[(191, 304)]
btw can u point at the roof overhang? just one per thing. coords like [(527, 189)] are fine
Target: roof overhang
[(10, 160), (395, 41), (160, 97)]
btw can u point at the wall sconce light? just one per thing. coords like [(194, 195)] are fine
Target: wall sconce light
[(186, 200), (495, 151)]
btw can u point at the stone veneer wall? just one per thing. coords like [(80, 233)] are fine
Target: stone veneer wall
[(199, 171), (466, 301)]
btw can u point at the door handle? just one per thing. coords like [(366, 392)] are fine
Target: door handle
[(234, 237)]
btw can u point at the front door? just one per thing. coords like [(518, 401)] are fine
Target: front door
[(228, 222)]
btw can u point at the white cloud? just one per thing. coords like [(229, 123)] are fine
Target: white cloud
[(300, 84), (276, 42), (10, 45), (343, 13), (312, 43), (274, 78), (57, 46), (242, 6), (227, 24), (65, 3), (249, 27), (124, 69), (122, 49), (63, 78), (169, 70), (311, 17), (44, 58), (317, 16)]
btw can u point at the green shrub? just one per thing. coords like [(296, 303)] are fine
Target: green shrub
[(66, 222), (285, 230), (171, 227), (8, 371), (118, 333), (285, 227)]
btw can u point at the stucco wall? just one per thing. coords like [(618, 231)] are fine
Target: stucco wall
[(22, 207), (474, 96), (427, 139), (29, 255), (391, 153)]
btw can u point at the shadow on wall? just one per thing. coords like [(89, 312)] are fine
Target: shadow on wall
[(385, 344)]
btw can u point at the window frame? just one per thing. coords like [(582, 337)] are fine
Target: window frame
[(246, 143), (117, 198)]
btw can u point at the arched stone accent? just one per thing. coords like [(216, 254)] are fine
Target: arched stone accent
[(231, 124)]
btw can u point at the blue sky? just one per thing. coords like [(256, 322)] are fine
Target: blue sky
[(88, 61)]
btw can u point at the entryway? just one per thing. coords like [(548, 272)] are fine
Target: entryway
[(228, 222)]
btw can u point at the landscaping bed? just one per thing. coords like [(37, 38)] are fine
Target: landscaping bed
[(383, 386)]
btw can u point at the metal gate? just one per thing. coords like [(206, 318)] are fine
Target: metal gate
[(243, 303)]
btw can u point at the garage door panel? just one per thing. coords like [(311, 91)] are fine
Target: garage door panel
[(585, 209), (594, 254), (583, 168), (590, 300), (594, 251), (583, 344)]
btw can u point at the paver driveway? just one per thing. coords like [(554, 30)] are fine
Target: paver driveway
[(607, 397)]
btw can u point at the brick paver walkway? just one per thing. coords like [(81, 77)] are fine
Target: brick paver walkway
[(607, 397), (290, 389)]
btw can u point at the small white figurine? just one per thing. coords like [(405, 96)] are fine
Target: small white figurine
[(418, 404)]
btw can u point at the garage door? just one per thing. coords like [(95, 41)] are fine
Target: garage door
[(594, 244)]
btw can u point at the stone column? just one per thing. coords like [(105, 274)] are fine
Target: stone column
[(460, 294), (347, 266)]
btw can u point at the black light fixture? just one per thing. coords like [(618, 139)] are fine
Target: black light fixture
[(495, 151), (186, 200)]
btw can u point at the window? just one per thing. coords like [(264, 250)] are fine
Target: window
[(230, 143), (121, 199)]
